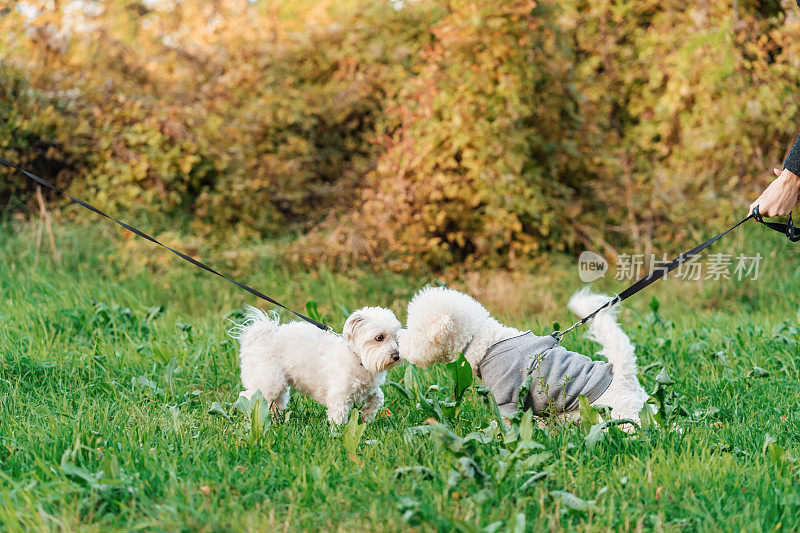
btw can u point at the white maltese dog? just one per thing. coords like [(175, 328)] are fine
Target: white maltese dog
[(338, 371), (443, 322)]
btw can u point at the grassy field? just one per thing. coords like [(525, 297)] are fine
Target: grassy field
[(110, 370)]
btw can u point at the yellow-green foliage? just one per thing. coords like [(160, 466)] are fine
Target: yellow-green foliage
[(477, 161), (421, 131), (686, 108)]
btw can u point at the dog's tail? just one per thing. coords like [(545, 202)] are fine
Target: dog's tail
[(604, 329), (256, 325)]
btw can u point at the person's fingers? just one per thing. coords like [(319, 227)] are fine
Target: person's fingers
[(777, 171), (766, 204)]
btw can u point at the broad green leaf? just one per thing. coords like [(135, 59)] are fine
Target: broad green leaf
[(532, 480), (491, 431), (708, 412), (468, 468), (597, 434), (460, 373), (479, 437), (522, 451), (528, 445), (457, 445), (646, 416), (410, 378), (526, 426), (511, 436), (573, 503), (536, 460), (603, 410), (154, 312), (259, 417), (353, 431), (413, 432), (143, 381), (243, 405), (589, 415), (663, 378), (216, 409), (652, 366)]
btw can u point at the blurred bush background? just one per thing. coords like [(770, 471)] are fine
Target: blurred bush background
[(401, 134)]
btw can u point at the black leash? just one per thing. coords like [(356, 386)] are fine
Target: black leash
[(144, 235), (787, 229)]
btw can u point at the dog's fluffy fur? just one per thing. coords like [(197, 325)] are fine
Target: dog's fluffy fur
[(337, 371), (441, 322)]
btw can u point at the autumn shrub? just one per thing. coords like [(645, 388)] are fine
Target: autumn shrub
[(686, 108), (478, 164)]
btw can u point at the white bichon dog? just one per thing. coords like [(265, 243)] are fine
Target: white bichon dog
[(443, 322), (338, 371)]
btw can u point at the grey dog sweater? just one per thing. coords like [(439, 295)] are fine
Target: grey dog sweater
[(560, 376)]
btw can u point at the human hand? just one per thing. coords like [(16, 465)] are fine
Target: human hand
[(780, 197)]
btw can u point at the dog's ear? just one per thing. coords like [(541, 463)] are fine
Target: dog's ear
[(350, 325), (438, 329)]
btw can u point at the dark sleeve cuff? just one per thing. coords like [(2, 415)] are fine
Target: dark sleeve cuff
[(792, 161)]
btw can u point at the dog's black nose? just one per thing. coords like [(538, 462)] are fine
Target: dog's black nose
[(396, 356)]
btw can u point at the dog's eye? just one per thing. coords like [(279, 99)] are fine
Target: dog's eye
[(379, 338)]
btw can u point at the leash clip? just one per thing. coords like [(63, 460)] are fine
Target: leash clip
[(787, 229), (558, 336), (790, 233)]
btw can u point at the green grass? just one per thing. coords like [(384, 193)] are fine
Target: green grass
[(105, 423)]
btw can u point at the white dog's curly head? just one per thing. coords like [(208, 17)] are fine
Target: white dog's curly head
[(371, 332), (440, 323)]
